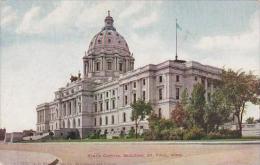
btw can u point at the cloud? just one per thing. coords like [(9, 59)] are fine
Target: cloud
[(235, 50), (68, 16), (65, 17), (132, 9), (59, 19), (29, 23), (242, 41), (8, 17), (146, 21)]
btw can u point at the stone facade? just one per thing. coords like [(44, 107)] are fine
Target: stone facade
[(101, 99)]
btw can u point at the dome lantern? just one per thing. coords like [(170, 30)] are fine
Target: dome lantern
[(109, 22)]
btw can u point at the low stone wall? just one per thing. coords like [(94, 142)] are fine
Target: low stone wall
[(64, 132), (7, 137), (251, 130), (13, 137)]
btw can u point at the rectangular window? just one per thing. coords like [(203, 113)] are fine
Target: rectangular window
[(107, 94), (106, 120), (109, 65), (113, 119), (195, 78), (101, 96), (101, 107), (125, 87), (95, 107), (134, 84), (160, 113), (143, 81), (120, 67), (143, 95), (95, 121), (177, 78), (125, 100), (113, 104), (97, 66), (100, 121), (107, 105), (124, 117), (160, 94), (160, 79), (134, 95), (177, 93), (113, 92)]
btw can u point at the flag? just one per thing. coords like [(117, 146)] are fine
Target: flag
[(178, 26)]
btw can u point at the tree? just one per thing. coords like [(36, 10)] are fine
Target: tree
[(217, 111), (250, 120), (184, 98), (239, 88), (140, 109), (179, 115), (196, 107)]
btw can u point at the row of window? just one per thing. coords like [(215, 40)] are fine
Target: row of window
[(107, 105), (100, 95), (67, 110), (109, 66), (160, 97), (106, 120)]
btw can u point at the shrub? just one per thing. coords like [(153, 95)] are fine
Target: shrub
[(115, 137), (131, 133), (165, 134), (177, 134), (122, 134), (229, 133), (148, 135), (194, 133), (214, 135), (72, 135)]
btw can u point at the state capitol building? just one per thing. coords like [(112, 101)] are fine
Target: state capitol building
[(100, 99)]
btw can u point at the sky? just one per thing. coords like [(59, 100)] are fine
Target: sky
[(43, 42)]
